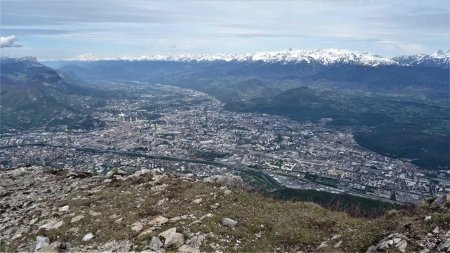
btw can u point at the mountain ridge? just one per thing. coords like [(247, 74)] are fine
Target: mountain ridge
[(33, 94), (324, 57)]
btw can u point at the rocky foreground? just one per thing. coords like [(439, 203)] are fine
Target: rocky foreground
[(48, 210)]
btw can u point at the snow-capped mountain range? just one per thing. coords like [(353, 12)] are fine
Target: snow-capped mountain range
[(294, 56), (438, 58)]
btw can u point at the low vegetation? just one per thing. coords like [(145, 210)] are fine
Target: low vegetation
[(112, 208)]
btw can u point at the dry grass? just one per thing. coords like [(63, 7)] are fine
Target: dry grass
[(264, 224)]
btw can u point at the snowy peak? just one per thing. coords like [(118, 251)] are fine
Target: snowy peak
[(324, 57), (441, 54), (439, 58)]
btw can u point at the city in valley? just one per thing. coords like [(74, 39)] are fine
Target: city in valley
[(185, 131)]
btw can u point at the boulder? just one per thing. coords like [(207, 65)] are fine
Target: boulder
[(88, 237), (174, 240), (401, 246), (41, 241), (137, 226), (147, 232), (64, 209), (155, 243), (229, 222), (436, 230), (398, 240), (55, 247), (441, 200), (94, 213), (444, 246), (52, 224), (166, 233), (76, 218), (158, 221)]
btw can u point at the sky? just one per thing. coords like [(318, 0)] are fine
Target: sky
[(66, 29)]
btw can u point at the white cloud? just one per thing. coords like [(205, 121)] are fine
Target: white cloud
[(8, 41)]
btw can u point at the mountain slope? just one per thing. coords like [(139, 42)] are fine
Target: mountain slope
[(129, 212), (33, 95)]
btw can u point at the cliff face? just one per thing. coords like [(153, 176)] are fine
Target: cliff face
[(66, 211)]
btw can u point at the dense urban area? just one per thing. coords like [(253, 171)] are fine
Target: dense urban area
[(170, 128)]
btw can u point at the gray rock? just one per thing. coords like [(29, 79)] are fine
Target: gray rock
[(76, 218), (322, 245), (229, 222), (338, 244), (401, 246), (436, 230), (445, 245), (174, 240), (33, 221), (115, 172), (188, 249), (137, 226), (142, 172), (94, 213), (158, 221), (41, 241), (197, 201), (335, 237), (64, 208), (88, 237), (441, 200), (371, 249), (155, 243), (55, 247), (52, 224), (147, 232), (166, 233), (196, 240)]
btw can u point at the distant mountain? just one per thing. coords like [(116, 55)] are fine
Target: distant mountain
[(334, 67), (28, 72), (438, 59), (325, 57), (33, 95)]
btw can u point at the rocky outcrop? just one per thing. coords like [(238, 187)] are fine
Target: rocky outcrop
[(68, 211)]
